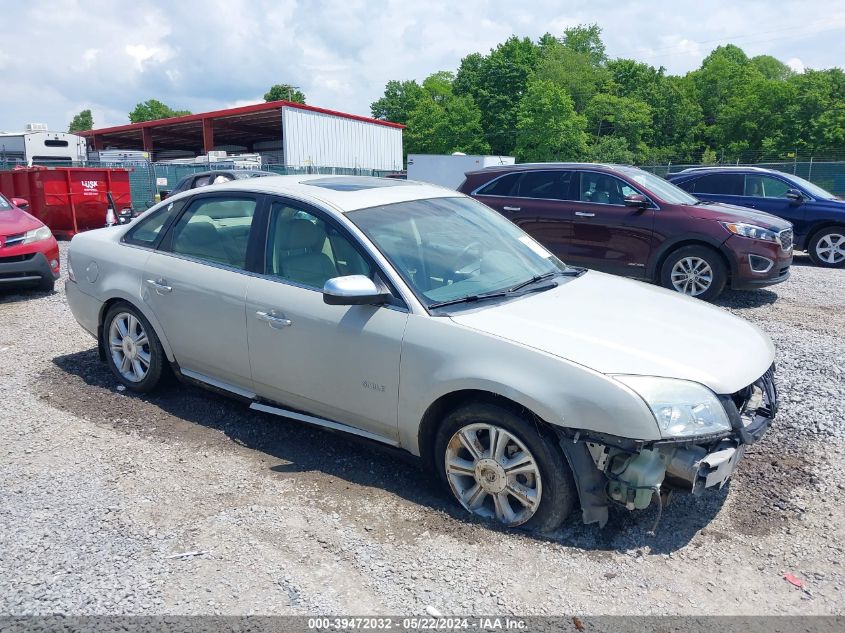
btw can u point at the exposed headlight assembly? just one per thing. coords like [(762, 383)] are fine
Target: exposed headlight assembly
[(36, 235), (682, 408), (751, 231)]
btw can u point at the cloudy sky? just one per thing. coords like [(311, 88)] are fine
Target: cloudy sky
[(58, 57)]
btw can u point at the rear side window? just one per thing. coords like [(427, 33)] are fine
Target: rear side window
[(148, 230), (720, 184), (503, 186), (765, 187), (215, 230), (551, 185)]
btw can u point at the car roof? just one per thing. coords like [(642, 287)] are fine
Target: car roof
[(344, 193), (724, 168), (529, 166), (212, 172)]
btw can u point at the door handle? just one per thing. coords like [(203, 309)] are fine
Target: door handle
[(511, 208), (276, 321), (585, 214), (160, 286)]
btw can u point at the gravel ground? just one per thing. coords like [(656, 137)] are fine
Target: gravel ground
[(100, 489)]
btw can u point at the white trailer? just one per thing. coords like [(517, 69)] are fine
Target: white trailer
[(448, 170), (36, 145)]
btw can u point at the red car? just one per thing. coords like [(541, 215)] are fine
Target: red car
[(29, 254), (626, 221)]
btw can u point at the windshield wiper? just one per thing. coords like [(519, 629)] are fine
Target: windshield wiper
[(468, 299), (569, 272)]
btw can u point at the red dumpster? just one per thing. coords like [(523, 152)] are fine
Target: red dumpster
[(68, 199)]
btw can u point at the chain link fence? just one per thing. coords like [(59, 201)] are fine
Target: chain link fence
[(147, 180)]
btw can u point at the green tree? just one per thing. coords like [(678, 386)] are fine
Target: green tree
[(82, 122), (771, 68), (622, 117), (284, 92), (547, 125), (586, 40), (399, 100), (152, 110), (452, 124), (501, 80), (574, 71), (611, 149)]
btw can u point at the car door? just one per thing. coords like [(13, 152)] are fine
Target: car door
[(336, 362), (606, 234), (195, 283), (501, 194), (768, 193), (546, 211)]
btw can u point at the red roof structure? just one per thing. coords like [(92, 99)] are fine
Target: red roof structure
[(201, 133)]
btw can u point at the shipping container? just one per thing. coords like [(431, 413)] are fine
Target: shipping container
[(313, 138), (447, 170), (68, 199)]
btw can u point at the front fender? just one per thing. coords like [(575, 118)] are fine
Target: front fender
[(440, 357)]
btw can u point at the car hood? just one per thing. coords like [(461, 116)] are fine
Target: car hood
[(732, 213), (15, 221), (620, 326)]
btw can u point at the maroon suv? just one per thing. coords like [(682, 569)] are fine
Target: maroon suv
[(626, 221)]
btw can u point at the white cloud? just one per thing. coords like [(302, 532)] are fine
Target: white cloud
[(208, 54), (795, 64)]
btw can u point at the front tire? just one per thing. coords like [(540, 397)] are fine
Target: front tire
[(827, 247), (696, 271), (133, 352), (499, 466)]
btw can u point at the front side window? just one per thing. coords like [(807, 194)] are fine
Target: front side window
[(215, 230), (503, 186), (720, 184), (450, 248), (765, 187), (305, 249), (600, 188), (202, 181), (549, 185), (4, 204), (148, 229)]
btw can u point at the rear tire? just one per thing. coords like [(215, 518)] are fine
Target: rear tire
[(133, 351), (827, 247), (696, 271), (519, 479)]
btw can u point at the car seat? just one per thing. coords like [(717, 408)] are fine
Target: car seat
[(298, 253)]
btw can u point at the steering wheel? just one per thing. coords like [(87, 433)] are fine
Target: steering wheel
[(454, 264)]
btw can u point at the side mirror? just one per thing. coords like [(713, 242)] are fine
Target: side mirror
[(795, 195), (353, 290), (637, 201), (20, 203)]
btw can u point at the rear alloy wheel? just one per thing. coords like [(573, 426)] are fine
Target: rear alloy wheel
[(499, 467), (697, 271), (827, 248), (133, 350)]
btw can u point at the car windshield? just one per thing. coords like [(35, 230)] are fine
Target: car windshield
[(813, 190), (663, 189), (241, 175), (447, 249)]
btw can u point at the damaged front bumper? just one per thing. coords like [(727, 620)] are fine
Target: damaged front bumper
[(633, 473)]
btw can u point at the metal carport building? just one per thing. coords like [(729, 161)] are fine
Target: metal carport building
[(285, 133)]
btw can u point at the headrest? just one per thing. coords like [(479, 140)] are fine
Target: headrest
[(300, 234)]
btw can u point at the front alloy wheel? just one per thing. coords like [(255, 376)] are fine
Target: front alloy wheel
[(692, 276), (493, 474), (503, 464), (827, 248)]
